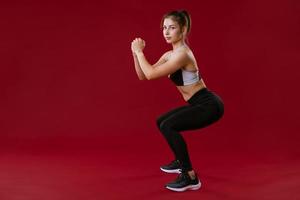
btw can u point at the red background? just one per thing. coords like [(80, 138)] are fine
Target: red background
[(67, 84)]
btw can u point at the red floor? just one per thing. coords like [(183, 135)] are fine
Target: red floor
[(110, 169)]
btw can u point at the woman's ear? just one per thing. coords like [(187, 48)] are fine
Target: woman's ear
[(184, 30)]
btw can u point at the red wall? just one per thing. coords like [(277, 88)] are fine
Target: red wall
[(66, 69)]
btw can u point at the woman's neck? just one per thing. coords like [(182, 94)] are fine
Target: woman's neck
[(178, 45)]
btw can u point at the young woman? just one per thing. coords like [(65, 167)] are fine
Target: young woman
[(203, 106)]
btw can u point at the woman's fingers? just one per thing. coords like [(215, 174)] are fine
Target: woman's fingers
[(138, 40), (137, 44)]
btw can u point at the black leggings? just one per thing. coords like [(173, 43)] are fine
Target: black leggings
[(203, 109)]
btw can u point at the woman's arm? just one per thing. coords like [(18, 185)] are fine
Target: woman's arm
[(162, 59), (173, 64), (137, 67), (176, 62)]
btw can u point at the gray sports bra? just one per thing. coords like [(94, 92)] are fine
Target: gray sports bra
[(183, 77)]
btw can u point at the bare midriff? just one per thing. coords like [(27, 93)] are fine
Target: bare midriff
[(187, 91)]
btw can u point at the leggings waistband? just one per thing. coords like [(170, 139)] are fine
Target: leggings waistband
[(198, 94)]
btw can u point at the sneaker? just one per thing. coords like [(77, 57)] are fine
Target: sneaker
[(184, 182), (173, 167)]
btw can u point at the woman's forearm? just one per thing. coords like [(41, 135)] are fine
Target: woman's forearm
[(144, 65), (137, 67)]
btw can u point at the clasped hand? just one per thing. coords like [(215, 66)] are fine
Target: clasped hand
[(137, 45)]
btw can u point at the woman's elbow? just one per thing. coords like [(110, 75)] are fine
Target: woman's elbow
[(148, 77), (142, 78), (152, 76)]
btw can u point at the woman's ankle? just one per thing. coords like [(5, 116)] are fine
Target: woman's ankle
[(192, 174)]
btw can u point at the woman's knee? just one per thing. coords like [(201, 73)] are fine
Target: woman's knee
[(159, 121), (165, 127)]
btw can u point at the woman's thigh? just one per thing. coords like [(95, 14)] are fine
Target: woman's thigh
[(170, 113), (192, 117)]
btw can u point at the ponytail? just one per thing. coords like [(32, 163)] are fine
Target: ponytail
[(187, 19)]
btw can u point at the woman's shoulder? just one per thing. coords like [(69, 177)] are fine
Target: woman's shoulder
[(167, 55), (180, 54), (183, 53)]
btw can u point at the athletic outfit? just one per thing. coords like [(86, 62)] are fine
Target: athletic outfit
[(184, 77), (203, 109)]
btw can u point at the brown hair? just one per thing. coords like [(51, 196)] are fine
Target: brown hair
[(182, 17)]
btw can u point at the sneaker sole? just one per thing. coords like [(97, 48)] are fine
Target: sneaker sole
[(189, 187), (177, 171)]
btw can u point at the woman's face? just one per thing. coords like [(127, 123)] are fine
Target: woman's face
[(171, 31)]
